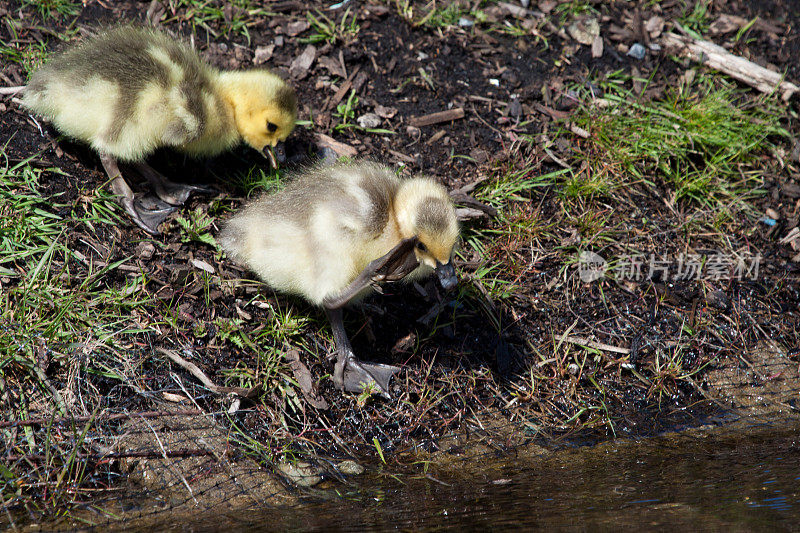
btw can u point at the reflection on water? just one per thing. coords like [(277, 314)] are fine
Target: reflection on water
[(729, 479)]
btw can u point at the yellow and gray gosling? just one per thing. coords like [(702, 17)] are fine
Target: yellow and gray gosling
[(131, 90), (334, 232)]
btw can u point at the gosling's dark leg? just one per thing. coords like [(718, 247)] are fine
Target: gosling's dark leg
[(169, 191), (146, 217), (350, 373)]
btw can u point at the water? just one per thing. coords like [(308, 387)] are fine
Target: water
[(729, 478)]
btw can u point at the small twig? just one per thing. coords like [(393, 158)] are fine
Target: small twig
[(199, 374), (11, 90), (716, 57), (582, 341), (437, 118), (563, 115), (346, 86)]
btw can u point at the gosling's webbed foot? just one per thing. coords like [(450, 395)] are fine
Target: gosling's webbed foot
[(177, 193), (147, 214), (352, 375), (167, 190), (150, 212), (397, 264)]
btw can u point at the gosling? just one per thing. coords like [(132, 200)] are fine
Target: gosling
[(333, 233), (130, 90)]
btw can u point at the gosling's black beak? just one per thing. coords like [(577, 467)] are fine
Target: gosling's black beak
[(447, 275), (276, 154)]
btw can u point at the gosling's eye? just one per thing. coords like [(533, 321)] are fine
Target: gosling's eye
[(271, 127), (421, 247)]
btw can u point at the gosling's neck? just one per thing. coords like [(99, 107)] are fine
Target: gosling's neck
[(220, 132), (408, 200)]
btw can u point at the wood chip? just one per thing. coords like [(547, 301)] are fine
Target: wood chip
[(332, 65), (791, 190), (299, 67), (435, 137), (791, 236), (402, 157), (597, 47), (200, 375), (562, 115), (177, 398), (361, 78), (294, 29), (464, 214), (437, 118), (514, 10), (341, 149), (263, 54), (554, 113), (11, 90), (346, 86), (202, 265), (654, 26)]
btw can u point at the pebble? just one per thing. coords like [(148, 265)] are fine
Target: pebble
[(369, 120), (301, 473), (350, 468), (327, 155), (145, 250), (718, 299), (637, 51)]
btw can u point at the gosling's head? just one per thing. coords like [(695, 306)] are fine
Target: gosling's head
[(264, 107), (424, 210)]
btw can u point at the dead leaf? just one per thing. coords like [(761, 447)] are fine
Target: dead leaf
[(304, 379), (405, 344)]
